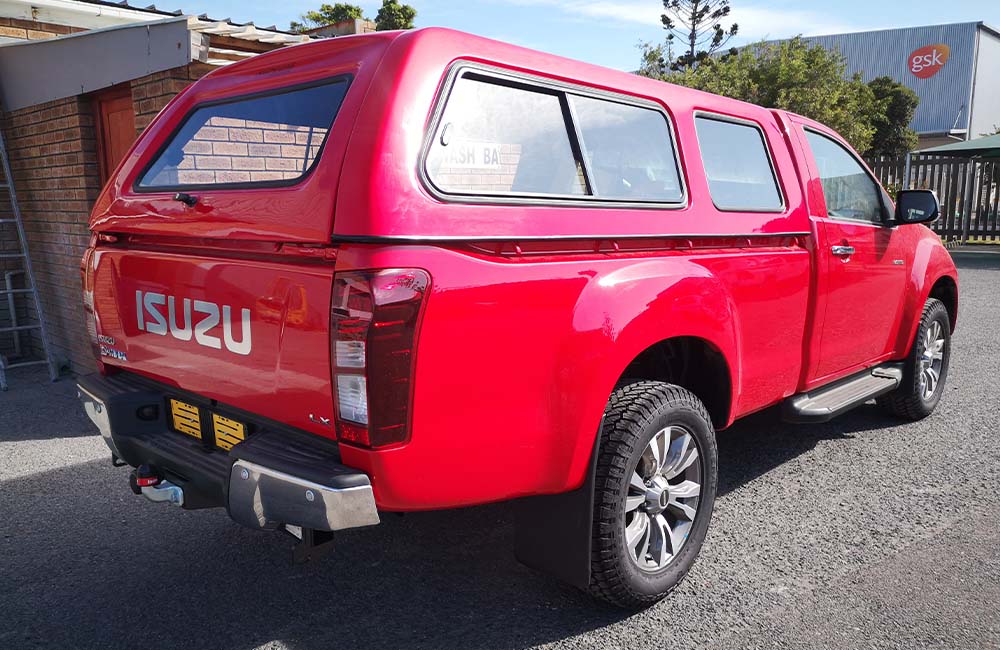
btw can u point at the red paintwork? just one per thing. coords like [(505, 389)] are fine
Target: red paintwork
[(521, 341)]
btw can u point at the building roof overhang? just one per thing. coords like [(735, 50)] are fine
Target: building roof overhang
[(985, 147), (99, 14), (87, 61), (124, 50)]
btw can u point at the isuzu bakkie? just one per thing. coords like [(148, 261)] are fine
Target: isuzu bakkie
[(418, 270)]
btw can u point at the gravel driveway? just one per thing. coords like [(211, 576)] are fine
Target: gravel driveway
[(862, 532)]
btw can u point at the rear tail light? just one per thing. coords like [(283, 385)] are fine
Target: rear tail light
[(375, 317), (87, 280)]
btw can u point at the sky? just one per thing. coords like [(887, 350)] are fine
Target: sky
[(607, 32)]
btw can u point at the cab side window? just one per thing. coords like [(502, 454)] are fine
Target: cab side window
[(850, 192)]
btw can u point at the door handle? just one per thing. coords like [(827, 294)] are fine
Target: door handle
[(842, 250)]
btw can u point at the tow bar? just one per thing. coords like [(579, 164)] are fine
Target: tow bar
[(145, 481), (312, 544)]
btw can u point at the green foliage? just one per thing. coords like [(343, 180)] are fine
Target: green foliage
[(893, 135), (393, 15), (791, 75), (328, 15), (697, 24), (656, 60)]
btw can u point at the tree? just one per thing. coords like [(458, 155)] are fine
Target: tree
[(393, 15), (328, 15), (656, 60), (794, 76), (698, 25), (893, 135)]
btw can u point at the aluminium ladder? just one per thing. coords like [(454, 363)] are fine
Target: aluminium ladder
[(7, 290)]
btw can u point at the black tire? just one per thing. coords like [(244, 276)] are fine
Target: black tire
[(908, 401), (636, 413)]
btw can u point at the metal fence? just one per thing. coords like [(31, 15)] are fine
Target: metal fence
[(969, 191)]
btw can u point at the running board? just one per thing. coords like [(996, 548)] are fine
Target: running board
[(827, 402)]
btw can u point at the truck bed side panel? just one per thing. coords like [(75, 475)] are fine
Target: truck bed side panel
[(513, 371)]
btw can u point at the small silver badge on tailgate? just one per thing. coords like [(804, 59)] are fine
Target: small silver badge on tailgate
[(151, 318)]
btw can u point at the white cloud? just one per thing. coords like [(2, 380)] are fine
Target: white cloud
[(755, 23)]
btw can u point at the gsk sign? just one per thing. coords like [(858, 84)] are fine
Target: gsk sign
[(927, 60)]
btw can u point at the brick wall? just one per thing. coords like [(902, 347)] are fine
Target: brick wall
[(53, 155), (227, 150), (481, 167), (54, 163), (17, 310), (33, 30), (13, 311), (152, 92), (476, 167)]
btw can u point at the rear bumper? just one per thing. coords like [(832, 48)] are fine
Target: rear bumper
[(275, 477)]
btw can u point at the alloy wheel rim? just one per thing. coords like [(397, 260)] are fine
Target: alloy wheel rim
[(662, 500), (932, 360)]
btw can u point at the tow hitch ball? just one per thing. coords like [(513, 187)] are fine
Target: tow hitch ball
[(145, 480)]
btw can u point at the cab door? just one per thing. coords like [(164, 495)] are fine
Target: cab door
[(861, 260)]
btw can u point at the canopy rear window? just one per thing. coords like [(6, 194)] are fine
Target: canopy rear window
[(258, 140)]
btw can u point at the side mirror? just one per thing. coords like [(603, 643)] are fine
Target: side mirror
[(916, 206)]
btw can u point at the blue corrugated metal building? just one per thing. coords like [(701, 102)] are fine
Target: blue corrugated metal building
[(954, 69)]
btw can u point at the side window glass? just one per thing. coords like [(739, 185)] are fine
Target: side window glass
[(849, 190), (502, 139), (740, 176), (629, 151)]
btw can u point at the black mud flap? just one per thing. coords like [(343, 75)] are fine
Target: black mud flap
[(553, 532)]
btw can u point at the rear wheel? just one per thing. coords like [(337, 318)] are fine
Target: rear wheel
[(926, 367), (654, 492)]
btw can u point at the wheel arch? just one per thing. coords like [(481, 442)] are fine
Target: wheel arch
[(945, 289), (693, 363), (932, 275), (622, 323)]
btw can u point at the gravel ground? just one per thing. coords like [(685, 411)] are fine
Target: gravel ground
[(862, 532)]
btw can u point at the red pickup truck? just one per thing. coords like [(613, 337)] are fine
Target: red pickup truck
[(422, 270)]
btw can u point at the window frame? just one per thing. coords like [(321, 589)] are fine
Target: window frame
[(880, 192), (241, 185), (741, 121), (562, 90)]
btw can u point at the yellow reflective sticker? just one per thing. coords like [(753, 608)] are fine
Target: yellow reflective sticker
[(227, 432), (186, 418)]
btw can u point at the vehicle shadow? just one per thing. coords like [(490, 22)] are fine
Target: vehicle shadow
[(762, 442), (87, 564), (90, 565)]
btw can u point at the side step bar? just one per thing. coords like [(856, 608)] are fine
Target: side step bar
[(827, 402)]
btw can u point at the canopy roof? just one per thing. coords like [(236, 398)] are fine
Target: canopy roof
[(988, 147)]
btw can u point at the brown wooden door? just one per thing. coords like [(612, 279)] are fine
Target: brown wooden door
[(115, 121)]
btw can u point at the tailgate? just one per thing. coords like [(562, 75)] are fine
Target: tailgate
[(253, 335)]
